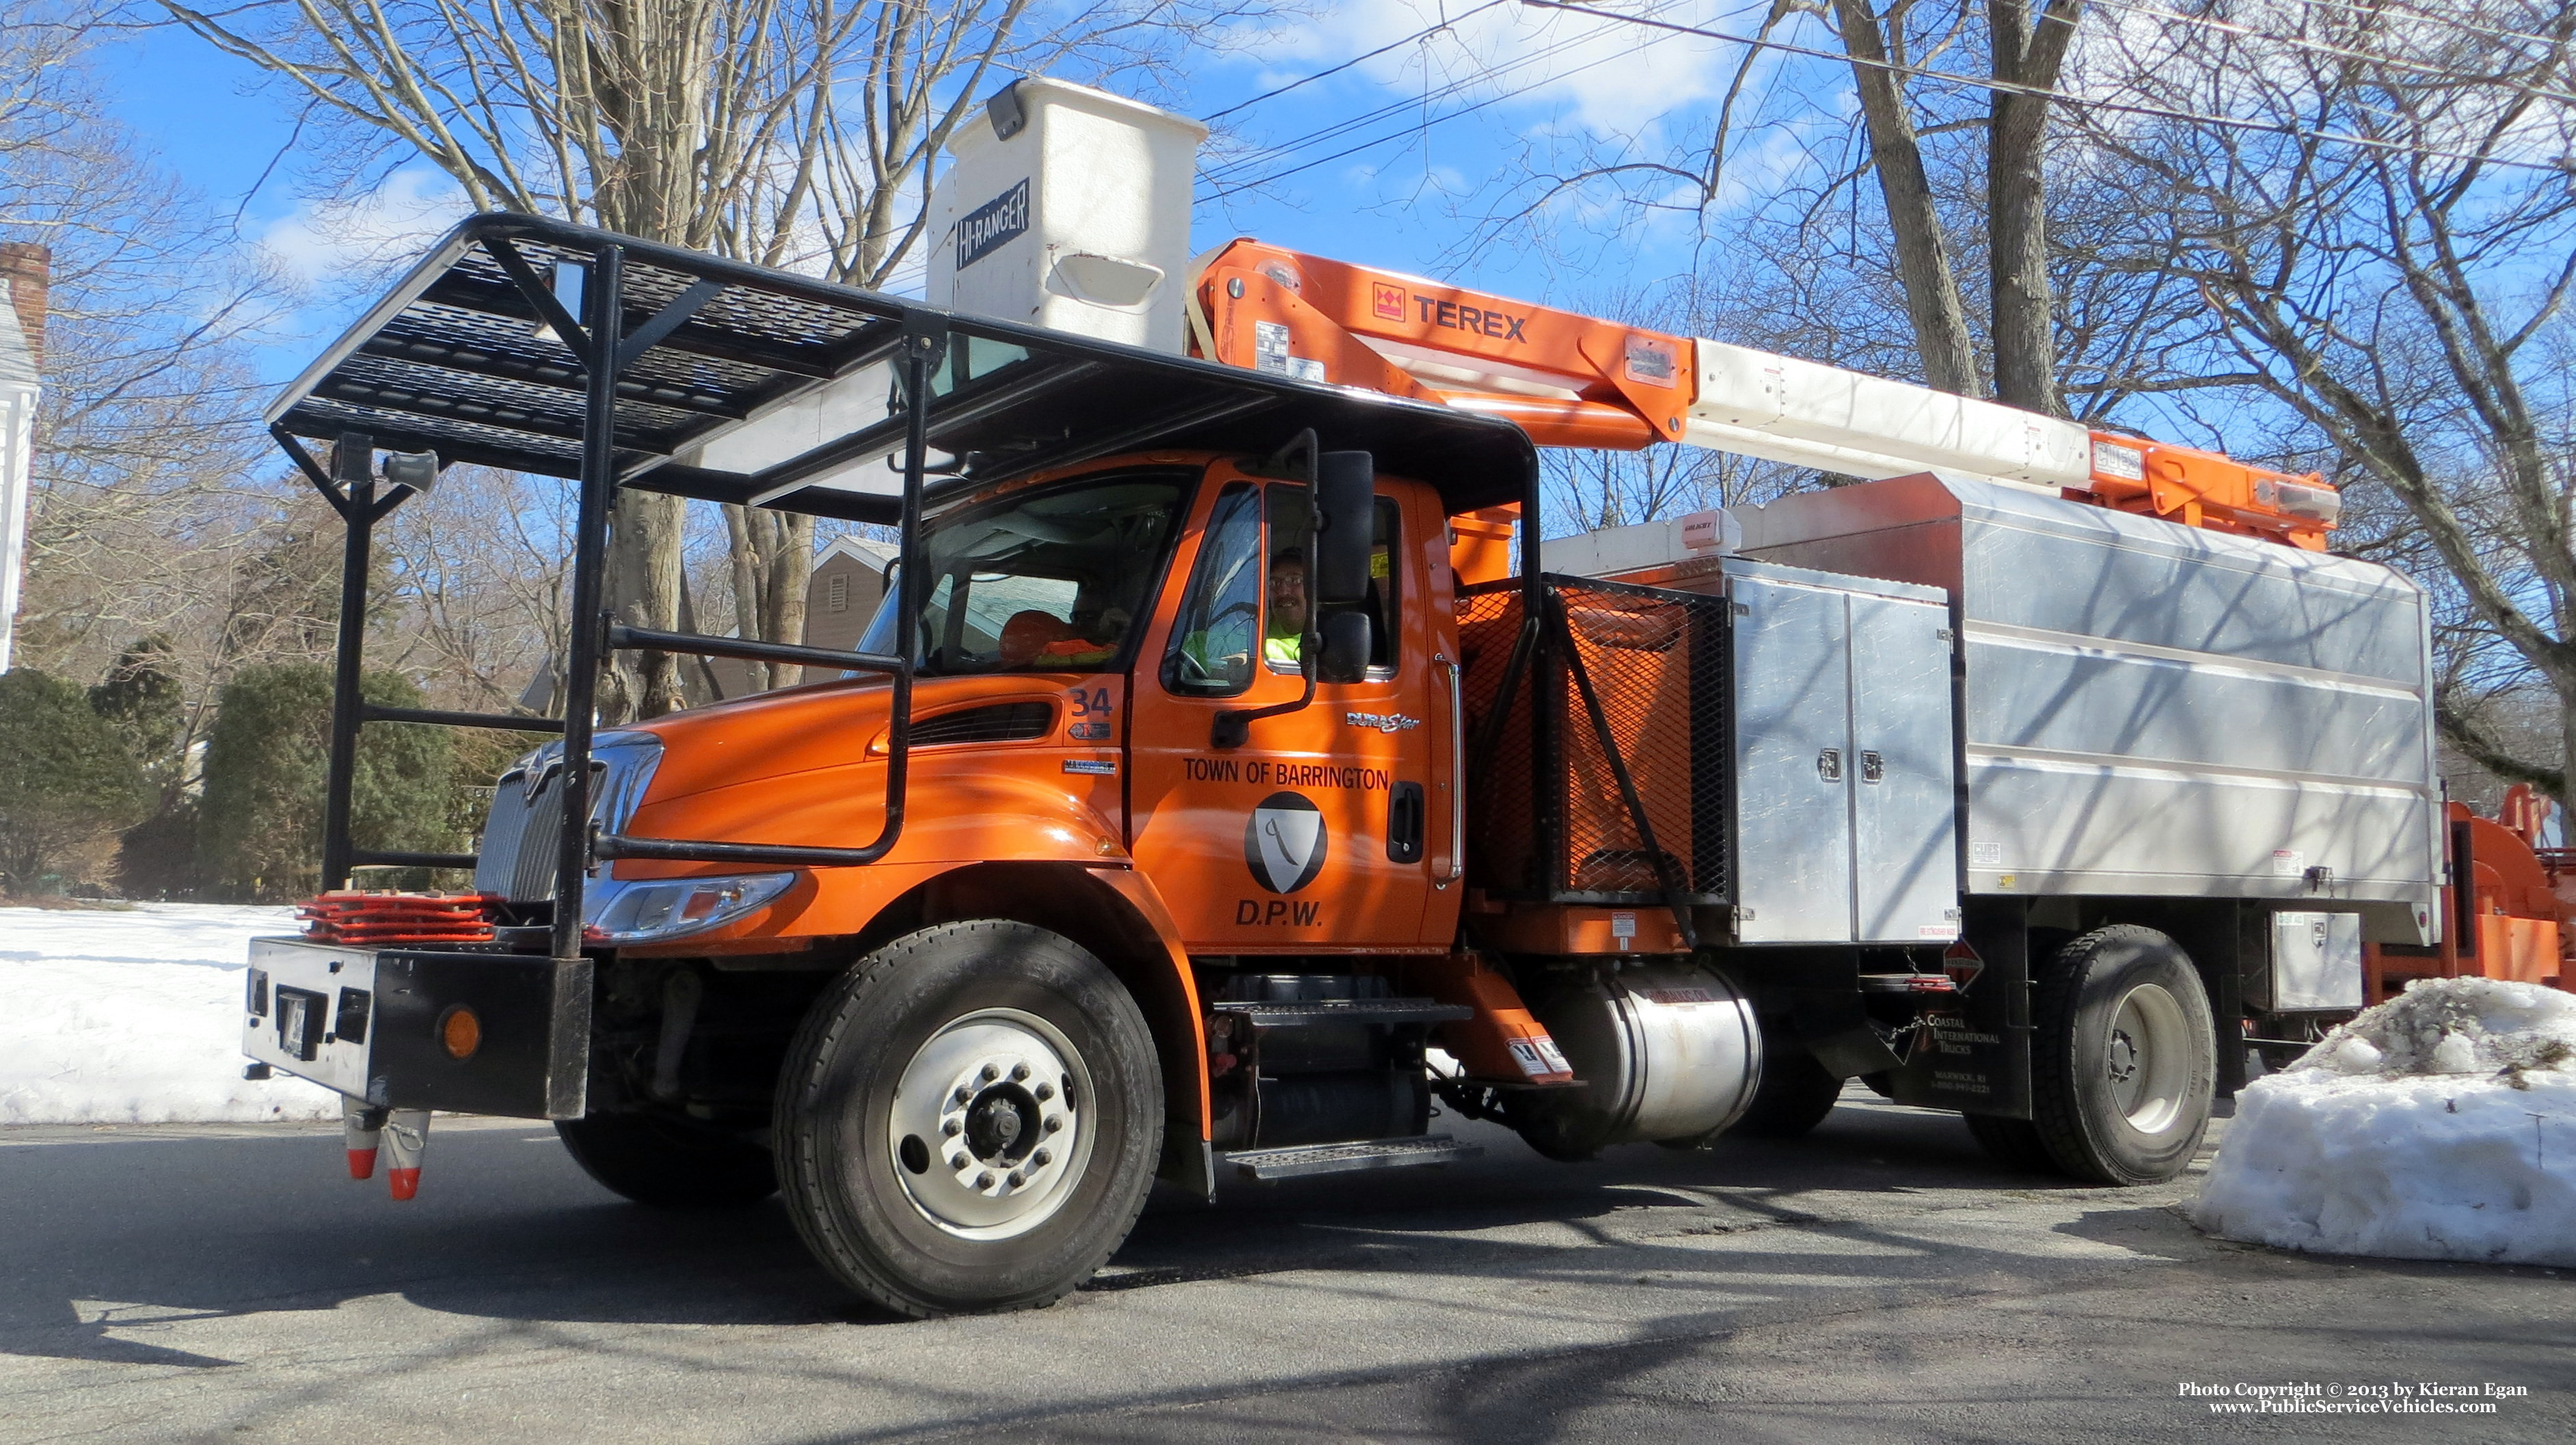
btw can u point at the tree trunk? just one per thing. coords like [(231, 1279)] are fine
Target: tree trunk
[(642, 587), (791, 568), (2024, 330), (1922, 256)]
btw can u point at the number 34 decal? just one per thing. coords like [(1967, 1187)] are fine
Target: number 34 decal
[(1094, 706)]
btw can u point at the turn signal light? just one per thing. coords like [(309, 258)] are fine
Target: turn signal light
[(460, 1032)]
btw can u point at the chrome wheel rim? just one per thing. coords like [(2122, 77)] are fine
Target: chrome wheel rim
[(991, 1129), (2147, 1059)]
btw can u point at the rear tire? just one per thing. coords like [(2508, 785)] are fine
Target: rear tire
[(669, 1163), (1795, 1095), (2124, 1060), (2013, 1143), (969, 1120)]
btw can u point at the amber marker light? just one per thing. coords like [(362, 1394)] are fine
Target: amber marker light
[(460, 1032)]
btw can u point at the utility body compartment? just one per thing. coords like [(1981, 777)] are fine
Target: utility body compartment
[(2148, 709), (1773, 744)]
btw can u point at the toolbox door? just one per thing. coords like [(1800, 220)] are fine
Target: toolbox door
[(1905, 870), (1791, 691)]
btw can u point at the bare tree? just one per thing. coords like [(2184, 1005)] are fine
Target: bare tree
[(2389, 255), (150, 496), (786, 132), (1880, 49)]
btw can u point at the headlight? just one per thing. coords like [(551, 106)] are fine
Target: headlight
[(655, 909)]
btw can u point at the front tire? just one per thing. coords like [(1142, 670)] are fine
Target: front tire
[(2124, 1063), (968, 1120)]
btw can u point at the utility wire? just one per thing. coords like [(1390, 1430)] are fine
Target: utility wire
[(2560, 166), (1425, 33), (1270, 155), (2412, 14), (1280, 151), (2319, 47), (1225, 190)]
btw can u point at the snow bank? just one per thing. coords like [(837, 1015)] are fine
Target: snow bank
[(2439, 1125), (135, 1017)]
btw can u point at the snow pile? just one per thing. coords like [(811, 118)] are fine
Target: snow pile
[(135, 1017), (2439, 1125)]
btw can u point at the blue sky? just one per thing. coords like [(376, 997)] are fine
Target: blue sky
[(1503, 83)]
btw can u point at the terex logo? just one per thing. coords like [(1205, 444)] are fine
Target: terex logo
[(1470, 318), (1387, 300)]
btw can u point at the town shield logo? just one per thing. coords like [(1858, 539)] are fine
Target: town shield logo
[(1284, 843)]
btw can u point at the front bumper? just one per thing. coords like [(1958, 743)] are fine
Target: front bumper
[(367, 1023)]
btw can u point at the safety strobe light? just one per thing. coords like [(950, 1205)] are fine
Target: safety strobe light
[(655, 909)]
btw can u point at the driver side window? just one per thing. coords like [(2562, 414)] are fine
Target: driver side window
[(1218, 630)]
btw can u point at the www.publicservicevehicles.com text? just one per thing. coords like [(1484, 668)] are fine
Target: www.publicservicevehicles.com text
[(2388, 1397)]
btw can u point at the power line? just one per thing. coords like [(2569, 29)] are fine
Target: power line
[(1280, 151), (1425, 33), (1467, 109), (2453, 21), (1218, 175), (2319, 47), (2007, 87)]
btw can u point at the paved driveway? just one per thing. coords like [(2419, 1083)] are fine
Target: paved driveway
[(1878, 1282)]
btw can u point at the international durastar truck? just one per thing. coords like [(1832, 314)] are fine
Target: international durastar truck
[(1232, 770)]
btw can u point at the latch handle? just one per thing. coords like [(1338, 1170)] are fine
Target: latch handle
[(1829, 765)]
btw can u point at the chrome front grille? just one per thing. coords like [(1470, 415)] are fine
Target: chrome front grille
[(523, 834)]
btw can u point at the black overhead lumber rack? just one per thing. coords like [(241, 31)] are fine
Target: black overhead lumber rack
[(477, 356)]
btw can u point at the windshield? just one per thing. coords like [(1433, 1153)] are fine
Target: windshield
[(1049, 580)]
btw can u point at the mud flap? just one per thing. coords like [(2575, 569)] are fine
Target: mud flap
[(1188, 1161), (1973, 1052)]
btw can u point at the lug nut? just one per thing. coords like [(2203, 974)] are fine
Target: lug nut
[(1045, 1092), (991, 1073), (1040, 1159), (959, 1098), (957, 1162), (951, 1128), (984, 1180), (1054, 1122), (1018, 1179), (1019, 1072)]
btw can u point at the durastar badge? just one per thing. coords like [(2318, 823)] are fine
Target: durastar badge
[(1385, 722), (1284, 844)]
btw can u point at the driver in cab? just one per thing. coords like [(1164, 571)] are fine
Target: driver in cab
[(1284, 640)]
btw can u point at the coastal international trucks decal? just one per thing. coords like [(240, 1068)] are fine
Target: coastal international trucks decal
[(1284, 844)]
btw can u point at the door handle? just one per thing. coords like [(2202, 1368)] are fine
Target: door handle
[(1404, 814), (1873, 768), (1829, 765)]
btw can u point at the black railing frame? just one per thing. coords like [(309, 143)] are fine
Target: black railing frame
[(603, 349)]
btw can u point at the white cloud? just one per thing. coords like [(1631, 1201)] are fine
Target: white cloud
[(1607, 75), (321, 242)]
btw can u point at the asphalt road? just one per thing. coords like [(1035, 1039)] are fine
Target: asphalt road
[(1878, 1282)]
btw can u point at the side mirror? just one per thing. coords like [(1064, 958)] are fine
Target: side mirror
[(1349, 638), (1345, 525)]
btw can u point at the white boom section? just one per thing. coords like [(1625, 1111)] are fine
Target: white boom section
[(1808, 414)]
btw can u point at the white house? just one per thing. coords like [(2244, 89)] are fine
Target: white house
[(24, 271)]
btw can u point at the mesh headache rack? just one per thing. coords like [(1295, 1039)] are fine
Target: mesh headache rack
[(538, 346)]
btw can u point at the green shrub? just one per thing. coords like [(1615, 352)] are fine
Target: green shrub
[(259, 819), (67, 786)]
